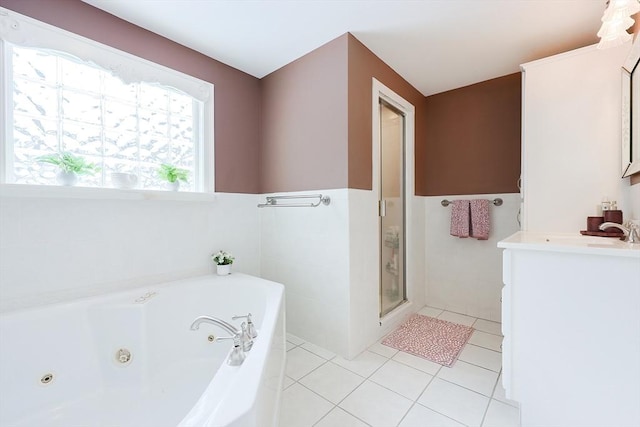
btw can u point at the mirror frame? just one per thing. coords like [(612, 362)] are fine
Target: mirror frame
[(631, 115)]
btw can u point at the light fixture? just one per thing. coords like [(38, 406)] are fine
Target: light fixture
[(615, 21)]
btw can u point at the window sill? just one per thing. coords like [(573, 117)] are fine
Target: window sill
[(93, 193)]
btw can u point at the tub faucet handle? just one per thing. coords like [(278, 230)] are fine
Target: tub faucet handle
[(245, 338), (251, 329), (237, 355)]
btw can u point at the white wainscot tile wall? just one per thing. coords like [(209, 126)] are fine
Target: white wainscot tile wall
[(327, 259), (55, 249), (465, 275), (307, 249)]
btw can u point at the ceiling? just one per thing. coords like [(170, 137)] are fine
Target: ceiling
[(436, 45)]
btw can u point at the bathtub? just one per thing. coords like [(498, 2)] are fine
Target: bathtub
[(130, 359)]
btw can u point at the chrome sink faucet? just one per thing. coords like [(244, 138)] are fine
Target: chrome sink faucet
[(241, 340), (631, 231)]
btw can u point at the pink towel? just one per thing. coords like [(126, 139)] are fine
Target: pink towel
[(480, 219), (460, 218)]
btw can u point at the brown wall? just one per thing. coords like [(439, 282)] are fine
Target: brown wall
[(473, 139), (308, 125), (304, 122), (237, 95), (363, 66)]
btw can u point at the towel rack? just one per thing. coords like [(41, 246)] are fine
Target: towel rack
[(496, 202), (272, 201)]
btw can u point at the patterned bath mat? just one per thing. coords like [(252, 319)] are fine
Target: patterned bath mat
[(433, 339)]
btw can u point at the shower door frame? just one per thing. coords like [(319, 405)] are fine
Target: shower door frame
[(381, 92)]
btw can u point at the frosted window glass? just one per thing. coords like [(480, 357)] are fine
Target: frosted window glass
[(64, 105)]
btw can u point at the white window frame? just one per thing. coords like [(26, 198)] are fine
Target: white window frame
[(28, 32)]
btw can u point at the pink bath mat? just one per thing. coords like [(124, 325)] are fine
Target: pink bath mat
[(433, 339)]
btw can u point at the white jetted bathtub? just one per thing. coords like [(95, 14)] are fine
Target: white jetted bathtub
[(130, 358)]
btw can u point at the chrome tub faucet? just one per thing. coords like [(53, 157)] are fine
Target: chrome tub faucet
[(242, 342)]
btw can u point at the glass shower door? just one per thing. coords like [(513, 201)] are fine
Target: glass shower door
[(392, 230)]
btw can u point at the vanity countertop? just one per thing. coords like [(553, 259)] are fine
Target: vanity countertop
[(570, 242)]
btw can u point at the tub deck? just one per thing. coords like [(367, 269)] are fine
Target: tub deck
[(176, 377)]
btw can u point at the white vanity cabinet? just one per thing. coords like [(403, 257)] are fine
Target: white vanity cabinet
[(571, 325)]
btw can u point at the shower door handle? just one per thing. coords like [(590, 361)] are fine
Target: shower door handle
[(382, 208)]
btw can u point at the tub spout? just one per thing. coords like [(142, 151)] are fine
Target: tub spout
[(237, 355), (215, 321)]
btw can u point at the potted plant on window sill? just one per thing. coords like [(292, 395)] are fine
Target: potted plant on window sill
[(70, 167), (173, 175), (223, 262)]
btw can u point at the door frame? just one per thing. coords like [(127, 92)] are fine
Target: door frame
[(380, 91)]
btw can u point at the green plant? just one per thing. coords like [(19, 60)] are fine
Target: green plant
[(223, 258), (68, 162), (172, 173)]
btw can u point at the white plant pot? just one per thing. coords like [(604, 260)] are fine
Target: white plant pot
[(124, 180), (174, 186), (223, 270), (68, 179)]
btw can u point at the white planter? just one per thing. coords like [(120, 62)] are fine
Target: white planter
[(174, 186), (124, 180), (223, 270), (68, 179)]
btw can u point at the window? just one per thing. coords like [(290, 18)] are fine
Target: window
[(111, 114)]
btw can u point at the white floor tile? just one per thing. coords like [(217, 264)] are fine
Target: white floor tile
[(483, 339), (287, 382), (501, 415), (294, 339), (473, 377), (430, 311), (482, 357), (419, 416), (404, 380), (488, 326), (290, 346), (376, 405), (339, 418), (319, 351), (460, 319), (332, 382), (455, 402), (364, 364), (383, 350), (302, 407), (300, 362), (419, 363), (499, 394)]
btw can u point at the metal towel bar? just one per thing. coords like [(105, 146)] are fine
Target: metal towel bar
[(496, 202), (272, 201)]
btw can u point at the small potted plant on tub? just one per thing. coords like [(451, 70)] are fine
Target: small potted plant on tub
[(70, 167), (223, 262), (173, 175)]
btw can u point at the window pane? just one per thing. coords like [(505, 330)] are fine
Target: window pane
[(121, 145), (120, 117), (35, 133), (62, 105), (81, 107), (153, 97), (80, 76), (36, 99), (34, 65), (116, 88)]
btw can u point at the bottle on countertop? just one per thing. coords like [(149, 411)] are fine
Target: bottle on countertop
[(606, 204)]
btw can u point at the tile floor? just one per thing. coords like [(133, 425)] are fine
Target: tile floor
[(384, 387)]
